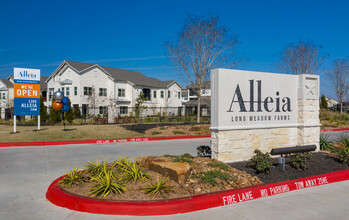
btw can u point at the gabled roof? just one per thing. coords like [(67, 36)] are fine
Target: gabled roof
[(7, 83), (134, 77), (43, 84)]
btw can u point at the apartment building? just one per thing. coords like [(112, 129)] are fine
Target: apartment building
[(110, 91)]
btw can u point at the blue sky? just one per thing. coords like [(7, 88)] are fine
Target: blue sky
[(130, 34)]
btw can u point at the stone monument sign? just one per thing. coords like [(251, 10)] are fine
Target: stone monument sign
[(256, 110)]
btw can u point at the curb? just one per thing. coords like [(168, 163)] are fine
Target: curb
[(123, 140), (334, 130), (188, 204), (105, 141)]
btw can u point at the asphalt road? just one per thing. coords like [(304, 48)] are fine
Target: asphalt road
[(26, 172), (336, 136)]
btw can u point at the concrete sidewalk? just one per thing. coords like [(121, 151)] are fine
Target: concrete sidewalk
[(26, 172)]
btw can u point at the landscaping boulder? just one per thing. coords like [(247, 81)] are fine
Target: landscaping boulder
[(175, 170), (146, 160)]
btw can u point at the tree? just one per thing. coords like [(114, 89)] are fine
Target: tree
[(302, 57), (43, 111), (202, 45), (69, 115), (339, 77), (55, 115), (139, 104), (93, 98), (77, 112), (323, 103)]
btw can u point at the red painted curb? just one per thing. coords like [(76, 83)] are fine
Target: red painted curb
[(105, 141), (188, 204), (108, 141), (334, 129)]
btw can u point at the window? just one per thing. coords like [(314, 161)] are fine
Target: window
[(103, 110), (3, 96), (154, 94), (169, 94), (50, 95), (162, 94), (179, 95), (87, 90), (75, 91), (147, 94), (121, 92), (123, 110), (102, 92), (0, 95), (63, 90), (67, 92)]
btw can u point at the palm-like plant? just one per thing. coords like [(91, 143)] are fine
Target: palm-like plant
[(73, 178), (325, 144), (158, 186), (106, 185), (134, 172), (131, 170), (95, 168)]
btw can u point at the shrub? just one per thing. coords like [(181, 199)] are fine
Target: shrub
[(43, 111), (184, 158), (325, 143), (210, 177), (194, 128), (100, 120), (73, 178), (261, 162), (343, 156), (219, 165), (158, 187), (126, 120), (204, 151), (299, 160), (77, 112), (345, 141), (155, 133), (178, 132)]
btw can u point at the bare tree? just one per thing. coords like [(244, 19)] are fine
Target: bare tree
[(203, 44), (92, 98), (339, 77), (302, 57)]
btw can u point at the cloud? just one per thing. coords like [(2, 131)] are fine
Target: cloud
[(146, 68), (49, 64), (13, 64), (125, 59)]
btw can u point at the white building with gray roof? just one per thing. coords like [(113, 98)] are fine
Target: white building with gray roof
[(104, 89), (6, 98)]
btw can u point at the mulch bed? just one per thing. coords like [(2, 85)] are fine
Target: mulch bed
[(319, 163)]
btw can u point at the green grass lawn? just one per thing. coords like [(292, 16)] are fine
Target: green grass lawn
[(73, 132)]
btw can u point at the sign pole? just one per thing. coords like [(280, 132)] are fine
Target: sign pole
[(14, 124), (39, 122)]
